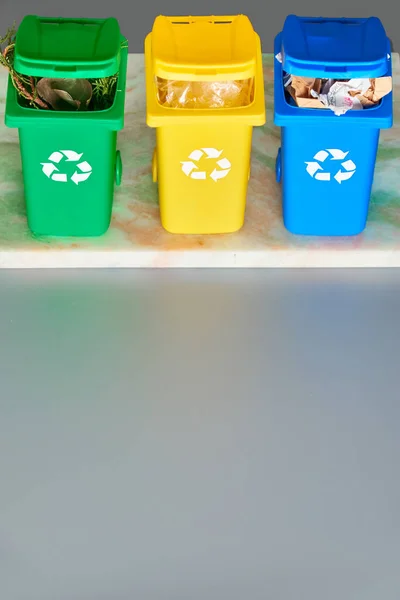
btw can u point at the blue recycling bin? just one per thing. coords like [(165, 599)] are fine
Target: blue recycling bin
[(326, 162)]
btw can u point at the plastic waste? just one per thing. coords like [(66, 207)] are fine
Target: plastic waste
[(205, 94)]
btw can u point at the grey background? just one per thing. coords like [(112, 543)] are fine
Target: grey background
[(199, 434), (137, 17)]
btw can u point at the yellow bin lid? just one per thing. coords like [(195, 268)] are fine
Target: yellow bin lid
[(204, 48)]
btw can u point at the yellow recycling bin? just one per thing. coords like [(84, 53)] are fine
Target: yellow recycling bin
[(205, 92)]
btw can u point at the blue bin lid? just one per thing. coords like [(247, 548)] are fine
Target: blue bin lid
[(334, 48)]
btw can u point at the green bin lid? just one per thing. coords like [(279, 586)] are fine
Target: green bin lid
[(70, 48)]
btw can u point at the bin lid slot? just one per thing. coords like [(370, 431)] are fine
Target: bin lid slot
[(81, 48), (204, 48), (334, 48)]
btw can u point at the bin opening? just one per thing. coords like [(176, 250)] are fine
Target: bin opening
[(339, 95), (205, 94), (61, 94)]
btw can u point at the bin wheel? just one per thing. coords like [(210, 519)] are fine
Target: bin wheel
[(154, 165), (118, 168), (278, 166)]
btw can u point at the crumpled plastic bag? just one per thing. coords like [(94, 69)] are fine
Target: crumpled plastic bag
[(205, 94)]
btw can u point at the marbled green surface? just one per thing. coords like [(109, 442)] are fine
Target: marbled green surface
[(137, 239)]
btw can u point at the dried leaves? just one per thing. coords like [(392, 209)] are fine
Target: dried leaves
[(65, 94)]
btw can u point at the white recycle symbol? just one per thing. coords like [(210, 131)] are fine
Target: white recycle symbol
[(82, 172), (315, 170), (191, 169)]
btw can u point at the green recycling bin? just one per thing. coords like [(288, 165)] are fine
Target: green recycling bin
[(69, 154)]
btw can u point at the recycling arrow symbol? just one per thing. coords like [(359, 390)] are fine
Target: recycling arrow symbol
[(191, 169), (83, 169), (346, 170)]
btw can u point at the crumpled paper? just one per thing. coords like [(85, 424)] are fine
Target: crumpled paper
[(205, 94), (337, 95)]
